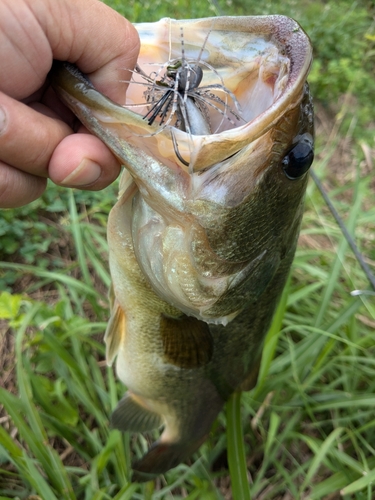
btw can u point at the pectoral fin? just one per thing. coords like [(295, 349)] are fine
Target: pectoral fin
[(115, 331), (131, 415), (187, 341)]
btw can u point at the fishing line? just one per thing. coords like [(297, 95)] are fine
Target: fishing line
[(344, 231)]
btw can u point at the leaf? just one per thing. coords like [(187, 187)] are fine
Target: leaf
[(363, 482), (9, 305)]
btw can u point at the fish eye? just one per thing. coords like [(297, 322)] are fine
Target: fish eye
[(299, 159)]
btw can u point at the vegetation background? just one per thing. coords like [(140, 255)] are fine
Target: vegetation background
[(309, 425)]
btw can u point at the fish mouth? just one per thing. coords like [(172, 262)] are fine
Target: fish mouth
[(254, 68)]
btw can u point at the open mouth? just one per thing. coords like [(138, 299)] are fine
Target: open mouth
[(230, 77), (204, 89)]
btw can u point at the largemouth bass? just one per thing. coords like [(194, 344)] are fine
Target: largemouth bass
[(217, 141)]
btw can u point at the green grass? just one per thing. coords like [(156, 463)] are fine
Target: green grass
[(308, 427)]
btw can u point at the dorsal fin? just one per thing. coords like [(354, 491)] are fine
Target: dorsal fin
[(162, 456), (131, 415), (159, 459), (187, 341)]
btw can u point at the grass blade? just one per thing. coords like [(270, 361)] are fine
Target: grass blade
[(236, 450), (78, 239)]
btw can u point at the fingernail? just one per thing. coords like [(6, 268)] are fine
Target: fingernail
[(3, 120), (85, 174)]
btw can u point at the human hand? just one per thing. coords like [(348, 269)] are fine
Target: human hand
[(37, 138)]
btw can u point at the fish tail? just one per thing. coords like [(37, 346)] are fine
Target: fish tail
[(161, 457)]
